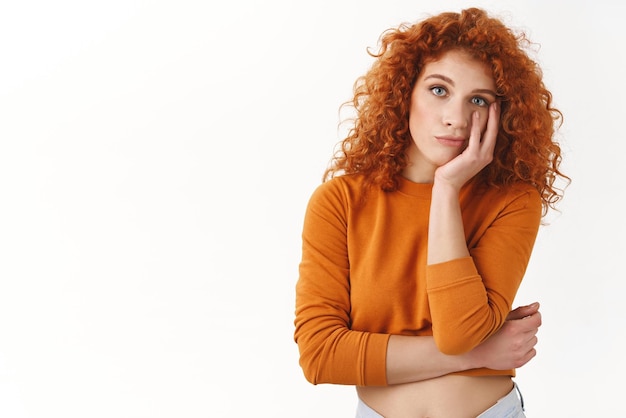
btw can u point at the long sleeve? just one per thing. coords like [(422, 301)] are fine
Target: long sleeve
[(470, 297), (363, 275), (330, 352)]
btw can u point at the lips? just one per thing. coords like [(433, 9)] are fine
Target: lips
[(451, 141)]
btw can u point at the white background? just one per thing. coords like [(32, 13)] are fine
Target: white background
[(155, 163)]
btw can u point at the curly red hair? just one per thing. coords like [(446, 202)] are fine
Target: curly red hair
[(379, 137)]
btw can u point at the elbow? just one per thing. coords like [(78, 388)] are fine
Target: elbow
[(309, 360), (310, 377), (309, 369)]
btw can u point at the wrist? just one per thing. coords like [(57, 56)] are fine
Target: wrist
[(445, 188), (473, 359)]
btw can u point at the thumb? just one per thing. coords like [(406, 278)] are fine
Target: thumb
[(523, 311)]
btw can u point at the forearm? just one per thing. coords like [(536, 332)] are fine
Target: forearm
[(459, 304), (446, 235), (412, 359)]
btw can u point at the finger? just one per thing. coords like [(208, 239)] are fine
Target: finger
[(531, 344), (491, 133), (536, 318), (531, 323), (518, 313), (528, 325), (527, 357), (530, 334), (523, 311), (475, 133), (532, 340)]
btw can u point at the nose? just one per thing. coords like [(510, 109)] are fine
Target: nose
[(456, 115)]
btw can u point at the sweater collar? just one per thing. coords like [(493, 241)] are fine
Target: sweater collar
[(422, 190)]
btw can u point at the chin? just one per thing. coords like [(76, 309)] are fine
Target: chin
[(445, 160)]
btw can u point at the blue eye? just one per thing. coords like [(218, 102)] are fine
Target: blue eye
[(438, 91), (479, 101)]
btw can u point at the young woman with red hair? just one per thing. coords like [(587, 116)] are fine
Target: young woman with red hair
[(416, 242)]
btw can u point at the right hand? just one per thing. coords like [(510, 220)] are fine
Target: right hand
[(513, 345), (477, 155)]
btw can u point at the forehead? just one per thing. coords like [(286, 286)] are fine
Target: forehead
[(460, 67)]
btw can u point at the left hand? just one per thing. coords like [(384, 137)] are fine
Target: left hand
[(513, 345)]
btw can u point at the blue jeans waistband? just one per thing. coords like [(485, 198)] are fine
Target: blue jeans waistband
[(509, 406)]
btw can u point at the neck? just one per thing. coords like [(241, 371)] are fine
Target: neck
[(417, 175)]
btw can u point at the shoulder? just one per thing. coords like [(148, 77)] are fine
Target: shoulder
[(333, 202), (524, 195), (516, 196), (346, 188)]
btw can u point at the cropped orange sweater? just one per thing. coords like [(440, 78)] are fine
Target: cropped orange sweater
[(364, 276)]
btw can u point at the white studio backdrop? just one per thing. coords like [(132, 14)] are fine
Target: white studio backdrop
[(156, 158)]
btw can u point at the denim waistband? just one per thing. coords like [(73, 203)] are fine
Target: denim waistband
[(509, 406)]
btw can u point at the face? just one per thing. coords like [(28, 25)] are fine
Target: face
[(446, 94)]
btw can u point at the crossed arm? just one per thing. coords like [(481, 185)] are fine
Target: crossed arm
[(412, 359)]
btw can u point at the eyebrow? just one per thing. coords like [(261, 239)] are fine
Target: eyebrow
[(449, 81)]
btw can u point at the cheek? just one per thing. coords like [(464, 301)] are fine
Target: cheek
[(421, 113)]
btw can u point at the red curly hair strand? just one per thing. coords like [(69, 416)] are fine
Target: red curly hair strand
[(379, 137)]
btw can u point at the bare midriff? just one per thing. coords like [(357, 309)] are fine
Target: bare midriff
[(450, 396)]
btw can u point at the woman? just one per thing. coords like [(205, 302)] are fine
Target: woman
[(417, 241)]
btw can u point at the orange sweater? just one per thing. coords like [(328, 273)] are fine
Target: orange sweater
[(363, 275)]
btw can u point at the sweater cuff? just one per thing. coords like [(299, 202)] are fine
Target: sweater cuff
[(375, 365), (450, 272)]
